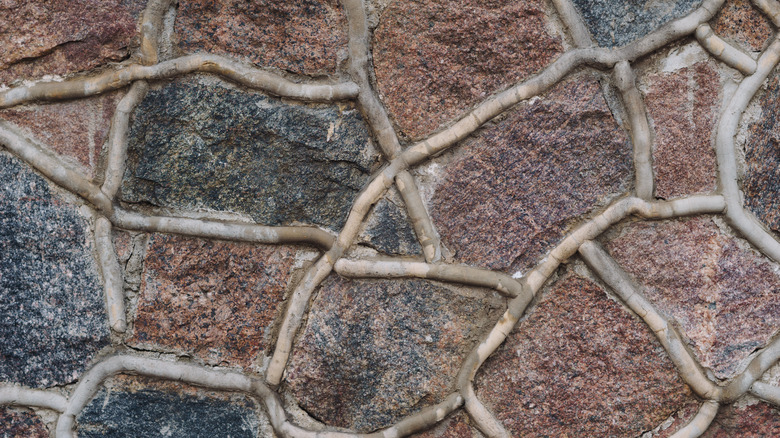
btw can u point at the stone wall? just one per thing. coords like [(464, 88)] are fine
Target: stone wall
[(428, 218)]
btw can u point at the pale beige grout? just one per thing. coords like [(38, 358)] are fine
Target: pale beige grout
[(572, 20), (701, 422), (485, 421), (740, 385), (724, 51), (113, 281), (151, 25), (766, 392), (18, 396), (771, 8)]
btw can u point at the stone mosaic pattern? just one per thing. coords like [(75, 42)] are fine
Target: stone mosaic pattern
[(418, 218)]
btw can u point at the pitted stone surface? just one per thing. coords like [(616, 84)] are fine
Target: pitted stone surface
[(512, 193), (618, 23), (216, 300), (436, 58), (60, 37), (580, 365), (375, 351), (755, 421), (723, 295), (22, 424), (52, 316), (389, 230), (457, 426), (194, 146), (308, 36), (742, 24)]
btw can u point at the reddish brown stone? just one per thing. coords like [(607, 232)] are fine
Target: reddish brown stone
[(756, 421), (723, 295), (373, 352), (457, 425), (307, 36), (519, 185), (683, 107), (21, 424), (580, 365), (76, 130), (436, 58), (60, 37), (738, 22), (677, 420), (214, 299)]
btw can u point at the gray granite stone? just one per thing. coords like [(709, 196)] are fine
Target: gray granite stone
[(388, 230), (195, 146), (52, 316)]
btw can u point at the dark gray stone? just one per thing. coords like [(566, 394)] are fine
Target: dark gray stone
[(388, 230), (52, 316), (151, 413), (194, 146), (617, 23)]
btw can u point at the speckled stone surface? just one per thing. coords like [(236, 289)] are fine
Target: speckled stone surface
[(60, 37), (434, 59), (373, 352), (21, 424), (755, 421), (580, 365), (743, 25), (76, 130), (52, 311), (131, 409), (194, 146), (214, 299), (762, 157), (458, 425), (388, 229), (308, 36), (683, 109), (511, 194), (723, 294), (618, 23)]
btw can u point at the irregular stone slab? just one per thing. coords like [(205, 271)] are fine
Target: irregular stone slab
[(722, 293), (308, 36), (145, 408), (21, 424), (761, 184), (683, 106), (457, 426), (76, 130), (216, 300), (388, 229), (196, 146), (52, 311), (739, 23), (60, 37), (516, 188), (755, 421), (434, 59), (373, 352), (580, 365)]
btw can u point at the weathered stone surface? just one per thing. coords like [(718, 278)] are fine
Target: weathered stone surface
[(149, 409), (214, 299), (762, 157), (516, 188), (755, 421), (456, 426), (580, 365), (618, 23), (683, 106), (308, 36), (388, 229), (76, 130), (59, 37), (195, 146), (723, 294), (21, 424), (436, 58), (677, 420), (738, 22), (373, 352), (52, 313)]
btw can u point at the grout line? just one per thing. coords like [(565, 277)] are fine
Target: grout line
[(113, 282), (724, 51), (573, 21), (700, 423), (18, 396)]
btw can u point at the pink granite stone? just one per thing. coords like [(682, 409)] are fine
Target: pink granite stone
[(740, 23), (760, 420), (21, 424), (457, 425)]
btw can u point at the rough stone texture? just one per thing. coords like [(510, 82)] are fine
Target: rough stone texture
[(683, 106), (214, 299), (762, 156), (388, 229), (76, 130), (52, 312), (741, 24), (722, 294), (373, 352), (513, 192), (308, 36), (195, 146), (677, 420), (21, 424), (756, 421), (580, 365), (166, 410), (456, 426), (615, 24), (60, 37), (436, 58)]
